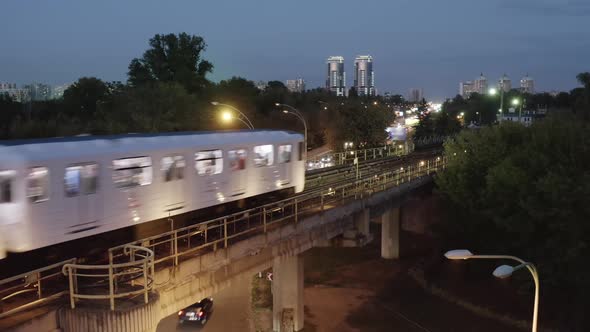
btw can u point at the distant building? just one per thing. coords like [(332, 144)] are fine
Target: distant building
[(261, 85), (526, 117), (39, 91), (336, 76), (466, 89), (364, 77), (505, 83), (297, 85), (14, 93), (58, 91), (7, 86), (415, 95), (527, 85), (480, 84)]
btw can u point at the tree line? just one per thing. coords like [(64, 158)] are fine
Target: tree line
[(524, 191), (484, 109), (168, 89)]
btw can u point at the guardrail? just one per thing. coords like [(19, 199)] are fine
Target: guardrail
[(29, 287), (172, 247), (127, 279), (131, 267), (348, 157), (429, 141)]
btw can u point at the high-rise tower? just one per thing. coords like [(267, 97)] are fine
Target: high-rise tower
[(336, 80), (364, 77)]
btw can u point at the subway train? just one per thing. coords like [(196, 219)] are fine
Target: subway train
[(61, 189)]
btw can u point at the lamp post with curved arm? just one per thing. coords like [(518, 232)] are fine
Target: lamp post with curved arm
[(292, 110), (228, 116), (504, 271)]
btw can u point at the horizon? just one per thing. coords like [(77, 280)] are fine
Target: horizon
[(451, 43)]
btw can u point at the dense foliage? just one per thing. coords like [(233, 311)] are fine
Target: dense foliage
[(523, 191)]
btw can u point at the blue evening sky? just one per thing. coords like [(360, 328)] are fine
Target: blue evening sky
[(431, 44)]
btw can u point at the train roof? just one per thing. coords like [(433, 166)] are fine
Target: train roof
[(86, 137), (64, 147)]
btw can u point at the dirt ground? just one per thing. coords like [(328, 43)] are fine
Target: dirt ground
[(349, 292), (353, 289)]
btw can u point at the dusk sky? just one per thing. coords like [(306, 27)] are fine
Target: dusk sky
[(431, 44)]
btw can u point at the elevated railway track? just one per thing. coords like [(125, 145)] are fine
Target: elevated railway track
[(325, 188)]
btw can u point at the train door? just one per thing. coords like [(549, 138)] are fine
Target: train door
[(209, 167), (264, 160), (173, 182), (284, 158), (82, 203), (237, 171)]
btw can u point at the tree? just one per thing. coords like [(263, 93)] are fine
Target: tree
[(172, 58), (82, 98), (160, 107), (582, 98), (523, 191), (357, 122)]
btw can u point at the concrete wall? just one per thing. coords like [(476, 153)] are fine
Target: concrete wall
[(139, 318), (47, 322)]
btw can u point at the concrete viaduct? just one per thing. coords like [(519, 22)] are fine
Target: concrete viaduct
[(279, 248)]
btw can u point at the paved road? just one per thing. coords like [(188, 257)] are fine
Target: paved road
[(231, 311)]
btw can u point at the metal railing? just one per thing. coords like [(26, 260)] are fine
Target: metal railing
[(429, 141), (124, 280), (131, 267), (30, 288), (348, 157), (172, 247)]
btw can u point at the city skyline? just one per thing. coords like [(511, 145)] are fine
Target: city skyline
[(432, 57)]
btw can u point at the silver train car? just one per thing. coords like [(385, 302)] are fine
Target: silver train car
[(57, 190)]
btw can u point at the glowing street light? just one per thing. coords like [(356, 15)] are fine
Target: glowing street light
[(504, 271), (227, 116), (515, 102), (293, 111), (493, 92)]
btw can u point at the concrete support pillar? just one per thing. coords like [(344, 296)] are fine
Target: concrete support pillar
[(390, 229), (361, 222), (287, 293)]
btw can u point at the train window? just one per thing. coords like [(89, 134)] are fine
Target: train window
[(81, 179), (38, 184), (173, 168), (300, 151), (89, 179), (263, 155), (285, 153), (6, 178), (209, 162), (132, 172), (237, 159)]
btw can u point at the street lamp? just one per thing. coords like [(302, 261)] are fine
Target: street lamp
[(292, 110), (493, 92), (504, 271), (228, 116), (324, 103), (516, 102)]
